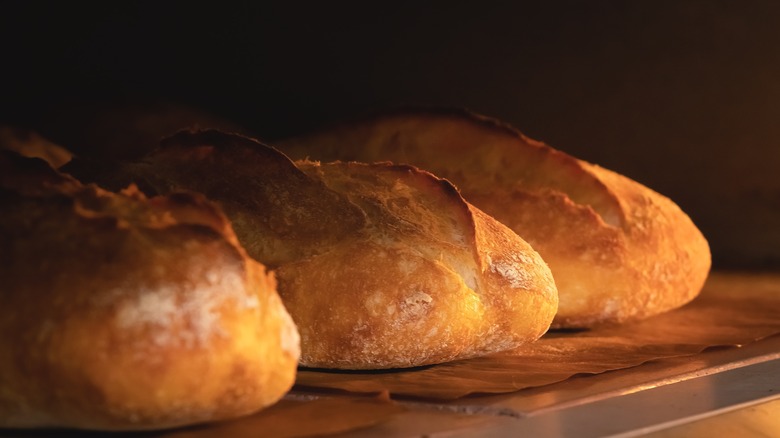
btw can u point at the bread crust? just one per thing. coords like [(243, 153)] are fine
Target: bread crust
[(618, 250), (381, 266), (127, 313)]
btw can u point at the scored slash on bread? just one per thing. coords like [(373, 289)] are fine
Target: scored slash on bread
[(380, 265), (618, 250), (126, 313), (428, 279)]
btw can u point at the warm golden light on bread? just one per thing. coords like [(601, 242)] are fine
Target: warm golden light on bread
[(618, 250), (381, 266), (127, 313)]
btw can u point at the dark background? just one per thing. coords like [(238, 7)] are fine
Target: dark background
[(683, 96)]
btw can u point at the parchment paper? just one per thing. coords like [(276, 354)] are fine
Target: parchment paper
[(732, 310)]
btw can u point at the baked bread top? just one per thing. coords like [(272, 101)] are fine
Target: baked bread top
[(618, 250), (381, 266)]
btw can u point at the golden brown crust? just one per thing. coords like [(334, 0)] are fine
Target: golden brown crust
[(617, 249), (245, 179), (395, 268), (122, 313), (430, 278)]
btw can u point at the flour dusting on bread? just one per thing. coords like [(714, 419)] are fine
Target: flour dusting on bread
[(186, 317)]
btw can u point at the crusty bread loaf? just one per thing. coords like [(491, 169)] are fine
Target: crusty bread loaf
[(380, 266), (617, 249), (126, 313)]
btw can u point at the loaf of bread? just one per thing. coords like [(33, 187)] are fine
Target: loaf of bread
[(126, 313), (617, 250), (380, 266)]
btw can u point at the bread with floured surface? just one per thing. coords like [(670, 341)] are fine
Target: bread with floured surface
[(126, 313), (617, 249), (381, 266)]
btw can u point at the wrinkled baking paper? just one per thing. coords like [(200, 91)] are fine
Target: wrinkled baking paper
[(732, 310)]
